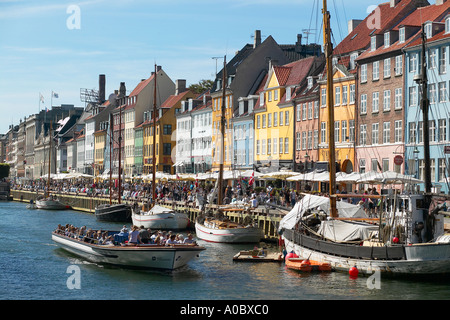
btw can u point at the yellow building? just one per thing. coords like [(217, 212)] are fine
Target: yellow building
[(99, 151), (274, 114), (344, 118), (166, 123), (217, 101)]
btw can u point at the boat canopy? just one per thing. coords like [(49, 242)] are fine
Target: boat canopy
[(312, 202), (340, 231)]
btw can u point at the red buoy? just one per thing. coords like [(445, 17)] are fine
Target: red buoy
[(353, 272), (395, 240), (291, 255)]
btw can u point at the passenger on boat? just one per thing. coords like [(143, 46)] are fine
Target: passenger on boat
[(171, 240), (134, 238), (189, 240), (144, 234)]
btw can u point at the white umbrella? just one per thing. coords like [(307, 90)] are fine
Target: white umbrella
[(279, 174), (394, 177)]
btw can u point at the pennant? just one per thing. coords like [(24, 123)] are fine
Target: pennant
[(252, 179)]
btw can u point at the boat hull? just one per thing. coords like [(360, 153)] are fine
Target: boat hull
[(418, 259), (113, 213), (165, 221), (141, 257), (51, 205), (228, 235)]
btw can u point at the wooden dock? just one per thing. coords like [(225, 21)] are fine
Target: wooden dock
[(256, 256)]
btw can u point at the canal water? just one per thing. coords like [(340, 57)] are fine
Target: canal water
[(34, 268)]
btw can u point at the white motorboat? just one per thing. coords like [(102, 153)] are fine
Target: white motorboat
[(160, 217), (142, 256), (213, 230), (51, 203)]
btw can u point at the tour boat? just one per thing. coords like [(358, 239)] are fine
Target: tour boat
[(214, 230), (407, 239), (159, 217), (141, 256), (51, 203)]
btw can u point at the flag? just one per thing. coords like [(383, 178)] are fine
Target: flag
[(41, 98), (55, 95), (46, 109), (252, 179), (196, 181)]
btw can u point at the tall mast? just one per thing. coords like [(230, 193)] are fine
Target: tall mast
[(328, 48), (120, 151), (49, 157), (154, 143), (111, 134), (222, 132), (425, 105)]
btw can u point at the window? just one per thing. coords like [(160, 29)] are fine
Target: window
[(288, 93), (413, 63), (398, 131), (167, 149), (167, 129), (324, 96), (375, 70), (387, 100), (310, 110), (442, 91), (412, 132), (275, 95), (269, 146), (269, 120), (337, 96), (429, 30), (286, 118), (363, 103), (309, 140), (386, 40), (304, 111), (386, 132), (375, 127), (281, 145), (286, 145), (275, 119), (344, 95), (336, 131), (447, 25), (373, 43), (432, 126), (263, 146), (362, 165), (316, 139), (412, 96), (398, 99), (385, 164), (275, 145), (432, 59), (375, 102), (387, 68), (442, 60), (281, 118), (323, 132), (363, 134), (352, 94), (261, 99), (442, 130), (303, 141), (344, 131), (316, 109), (401, 36), (442, 169), (351, 131), (420, 132), (298, 141), (258, 122), (269, 96), (432, 93), (257, 146), (398, 65), (298, 113), (263, 120), (363, 73)]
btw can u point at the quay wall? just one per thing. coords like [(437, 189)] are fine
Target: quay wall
[(268, 219)]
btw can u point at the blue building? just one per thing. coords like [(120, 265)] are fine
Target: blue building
[(437, 32)]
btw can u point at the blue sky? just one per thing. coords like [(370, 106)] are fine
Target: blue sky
[(123, 39)]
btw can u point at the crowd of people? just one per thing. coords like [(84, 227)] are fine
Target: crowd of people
[(133, 236)]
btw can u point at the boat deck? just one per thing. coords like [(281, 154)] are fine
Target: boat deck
[(254, 256)]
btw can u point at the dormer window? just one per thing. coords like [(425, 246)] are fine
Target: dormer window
[(429, 30), (447, 25), (310, 82), (373, 43), (387, 39), (288, 93), (401, 36)]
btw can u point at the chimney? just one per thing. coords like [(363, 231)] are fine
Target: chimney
[(440, 2), (257, 41), (122, 90), (158, 68), (395, 2), (352, 24), (101, 88), (180, 86), (272, 63)]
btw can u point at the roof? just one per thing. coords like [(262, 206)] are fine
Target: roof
[(384, 18), (174, 99)]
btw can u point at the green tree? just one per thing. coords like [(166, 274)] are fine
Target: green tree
[(201, 86)]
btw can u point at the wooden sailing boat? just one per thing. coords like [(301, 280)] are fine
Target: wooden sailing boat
[(115, 212), (156, 216), (219, 229), (404, 241), (50, 202)]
